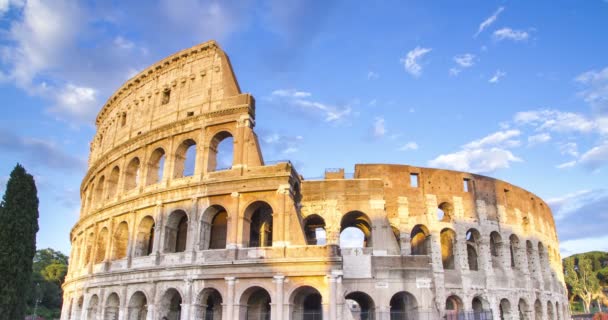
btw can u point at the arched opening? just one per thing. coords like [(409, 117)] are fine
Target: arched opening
[(221, 152), (515, 252), (404, 306), (258, 224), (550, 314), (361, 305), (138, 306), (156, 166), (93, 308), (214, 228), (132, 174), (505, 309), (355, 230), (99, 190), (144, 241), (176, 232), (481, 309), (171, 305), (120, 241), (397, 235), (90, 244), (209, 305), (185, 159), (112, 307), (473, 237), (445, 212), (538, 310), (113, 183), (306, 302), (522, 309), (531, 257), (314, 230), (543, 262), (420, 240), (77, 308), (453, 308), (448, 239), (102, 242), (496, 249), (255, 304), (560, 313)]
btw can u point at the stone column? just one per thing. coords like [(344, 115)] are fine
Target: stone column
[(152, 303), (279, 280), (278, 232), (484, 256), (333, 312), (158, 231), (230, 283), (123, 309), (232, 238), (186, 301), (193, 228)]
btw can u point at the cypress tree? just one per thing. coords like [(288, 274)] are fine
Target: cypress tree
[(18, 227)]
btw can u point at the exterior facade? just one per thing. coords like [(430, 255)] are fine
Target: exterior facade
[(165, 233)]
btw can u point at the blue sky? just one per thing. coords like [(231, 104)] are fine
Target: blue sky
[(517, 90)]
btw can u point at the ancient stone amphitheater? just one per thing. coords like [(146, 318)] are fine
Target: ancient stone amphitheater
[(165, 233)]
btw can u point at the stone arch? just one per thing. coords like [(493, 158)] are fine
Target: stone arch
[(93, 308), (397, 235), (138, 306), (171, 305), (88, 248), (516, 254), (445, 212), (531, 257), (77, 308), (307, 304), (185, 159), (99, 190), (120, 241), (550, 312), (255, 304), (420, 240), (314, 230), (214, 228), (523, 309), (504, 310), (144, 240), (257, 225), (472, 239), (496, 250), (403, 306), (453, 307), (448, 241), (209, 304), (538, 310), (113, 183), (543, 261), (132, 174), (156, 166), (176, 231), (356, 220), (101, 245), (112, 307), (481, 308), (221, 152), (361, 305)]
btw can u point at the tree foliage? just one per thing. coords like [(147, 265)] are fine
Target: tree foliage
[(18, 228), (50, 268), (582, 281)]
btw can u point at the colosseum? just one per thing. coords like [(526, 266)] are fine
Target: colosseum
[(166, 232)]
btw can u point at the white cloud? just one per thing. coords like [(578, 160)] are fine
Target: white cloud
[(554, 120), (75, 103), (299, 99), (596, 157), (281, 144), (565, 165), (569, 148), (123, 43), (487, 22), (596, 91), (409, 146), (291, 93), (411, 61), (570, 247), (379, 128), (497, 139), (497, 76), (510, 34), (465, 60), (538, 138), (372, 75), (476, 160), (373, 103)]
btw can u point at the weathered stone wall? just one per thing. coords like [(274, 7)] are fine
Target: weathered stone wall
[(155, 241)]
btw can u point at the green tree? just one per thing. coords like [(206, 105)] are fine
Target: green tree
[(582, 280), (18, 228)]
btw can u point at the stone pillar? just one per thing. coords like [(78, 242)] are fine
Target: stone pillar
[(333, 312), (123, 309), (460, 252), (158, 231), (339, 297), (230, 282), (193, 223), (278, 232), (232, 238), (485, 256), (406, 243), (279, 280), (152, 303), (186, 301)]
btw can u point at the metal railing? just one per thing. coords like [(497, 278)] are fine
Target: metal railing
[(307, 315)]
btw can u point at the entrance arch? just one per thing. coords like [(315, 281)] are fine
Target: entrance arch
[(453, 308), (138, 306), (356, 220), (257, 225), (361, 305), (404, 306), (209, 305), (306, 304), (112, 306), (255, 304), (171, 305)]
